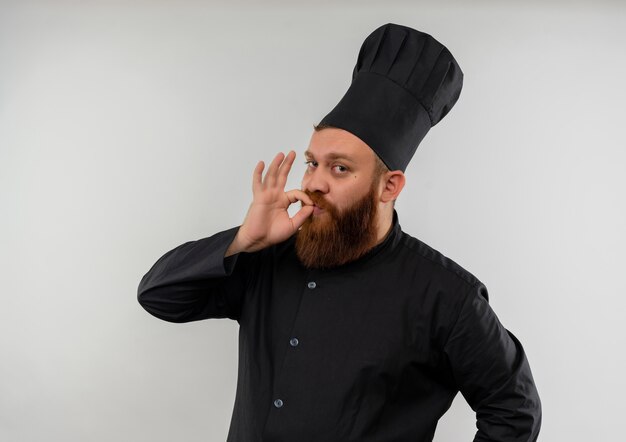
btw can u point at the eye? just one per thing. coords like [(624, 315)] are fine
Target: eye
[(341, 169), (310, 163)]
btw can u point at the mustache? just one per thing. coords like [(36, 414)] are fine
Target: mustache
[(318, 199)]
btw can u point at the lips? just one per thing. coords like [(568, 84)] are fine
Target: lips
[(319, 203)]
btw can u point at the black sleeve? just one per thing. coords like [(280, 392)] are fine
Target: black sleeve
[(493, 374), (194, 281)]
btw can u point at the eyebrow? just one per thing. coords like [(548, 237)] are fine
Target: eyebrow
[(331, 156)]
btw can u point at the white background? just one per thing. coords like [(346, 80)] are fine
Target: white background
[(126, 130)]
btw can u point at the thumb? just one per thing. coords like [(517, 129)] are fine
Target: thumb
[(300, 217)]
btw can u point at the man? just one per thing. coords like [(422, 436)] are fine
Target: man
[(351, 329)]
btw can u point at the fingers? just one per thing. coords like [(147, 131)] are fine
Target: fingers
[(272, 171), (276, 174), (284, 169), (256, 176), (298, 195)]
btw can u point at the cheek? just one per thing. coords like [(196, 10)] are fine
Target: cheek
[(348, 195)]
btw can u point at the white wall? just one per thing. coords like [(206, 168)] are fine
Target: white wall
[(127, 130)]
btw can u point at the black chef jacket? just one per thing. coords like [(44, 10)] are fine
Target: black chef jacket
[(374, 350)]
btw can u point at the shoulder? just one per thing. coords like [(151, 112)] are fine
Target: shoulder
[(446, 286), (435, 262)]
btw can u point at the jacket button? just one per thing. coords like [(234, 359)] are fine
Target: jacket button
[(278, 403), (294, 342), (311, 285)]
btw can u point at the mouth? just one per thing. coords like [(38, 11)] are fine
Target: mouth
[(317, 210)]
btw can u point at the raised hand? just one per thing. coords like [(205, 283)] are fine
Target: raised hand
[(267, 221)]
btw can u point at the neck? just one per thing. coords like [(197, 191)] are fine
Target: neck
[(385, 222)]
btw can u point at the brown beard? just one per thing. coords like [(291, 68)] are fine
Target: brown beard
[(334, 237)]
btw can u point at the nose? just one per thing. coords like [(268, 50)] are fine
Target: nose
[(314, 180)]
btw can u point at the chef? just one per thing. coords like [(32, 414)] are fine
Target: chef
[(350, 329)]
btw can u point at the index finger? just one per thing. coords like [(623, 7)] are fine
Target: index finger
[(298, 195)]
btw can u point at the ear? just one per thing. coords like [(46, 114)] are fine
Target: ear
[(393, 183)]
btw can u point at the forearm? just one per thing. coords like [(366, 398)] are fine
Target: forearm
[(236, 246), (512, 413), (493, 373), (193, 281)]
